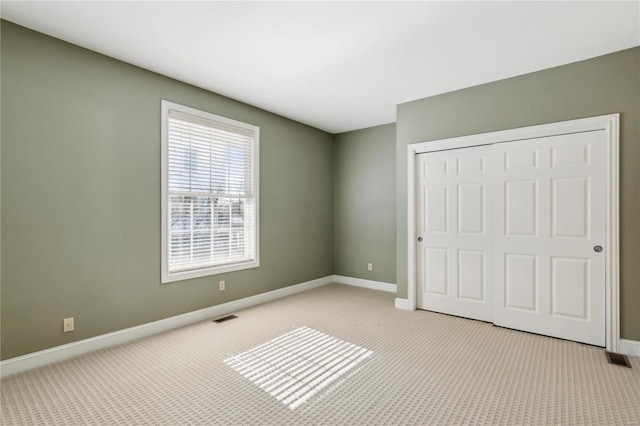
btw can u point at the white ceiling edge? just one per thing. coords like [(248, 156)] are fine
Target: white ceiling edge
[(337, 66)]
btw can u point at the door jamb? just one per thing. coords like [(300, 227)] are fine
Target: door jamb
[(610, 124)]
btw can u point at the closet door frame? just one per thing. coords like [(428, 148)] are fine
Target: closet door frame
[(608, 123)]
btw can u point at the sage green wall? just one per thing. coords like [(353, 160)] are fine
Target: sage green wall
[(364, 203), (81, 196), (603, 85)]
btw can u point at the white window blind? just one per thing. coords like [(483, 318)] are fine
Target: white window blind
[(210, 193)]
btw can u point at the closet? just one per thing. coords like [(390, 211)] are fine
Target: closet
[(514, 232)]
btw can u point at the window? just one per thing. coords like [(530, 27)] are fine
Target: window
[(209, 194)]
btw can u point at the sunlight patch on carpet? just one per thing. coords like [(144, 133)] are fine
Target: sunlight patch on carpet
[(298, 365)]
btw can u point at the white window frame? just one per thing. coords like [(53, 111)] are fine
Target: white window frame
[(167, 276)]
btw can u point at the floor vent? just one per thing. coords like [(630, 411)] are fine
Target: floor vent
[(223, 319), (618, 359)]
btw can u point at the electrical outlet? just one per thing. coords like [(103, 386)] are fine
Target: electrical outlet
[(68, 325), (221, 285), (370, 266)]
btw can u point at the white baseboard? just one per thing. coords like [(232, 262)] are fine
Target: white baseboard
[(359, 282), (402, 304), (59, 353), (629, 347)]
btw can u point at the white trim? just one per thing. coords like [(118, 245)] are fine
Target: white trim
[(164, 168), (609, 123), (612, 234), (359, 282), (629, 347), (412, 302), (166, 275), (60, 353), (512, 135), (403, 304)]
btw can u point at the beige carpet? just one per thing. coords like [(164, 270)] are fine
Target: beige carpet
[(333, 355)]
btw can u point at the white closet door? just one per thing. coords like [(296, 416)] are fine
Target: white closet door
[(549, 224), (454, 257)]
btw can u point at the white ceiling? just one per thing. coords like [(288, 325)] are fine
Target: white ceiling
[(337, 66)]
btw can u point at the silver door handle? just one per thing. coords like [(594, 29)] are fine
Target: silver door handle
[(597, 249), (419, 239)]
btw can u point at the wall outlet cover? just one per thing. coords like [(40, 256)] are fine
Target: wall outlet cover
[(68, 325)]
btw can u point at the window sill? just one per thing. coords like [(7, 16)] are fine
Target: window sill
[(168, 277)]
